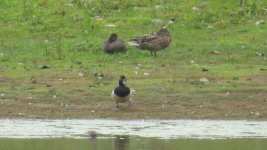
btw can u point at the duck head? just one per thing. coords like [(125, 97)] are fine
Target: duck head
[(163, 32), (113, 37), (122, 80)]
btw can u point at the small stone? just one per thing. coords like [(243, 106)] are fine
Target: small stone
[(69, 5), (93, 111), (2, 94), (172, 20), (158, 6), (110, 25), (210, 27), (132, 91), (157, 21), (48, 85), (60, 79), (203, 5), (260, 22), (146, 74), (216, 52), (195, 8), (204, 70), (98, 18), (45, 67), (203, 79), (259, 54), (81, 74)]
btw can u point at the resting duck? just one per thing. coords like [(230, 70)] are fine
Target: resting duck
[(153, 42), (114, 45), (122, 93)]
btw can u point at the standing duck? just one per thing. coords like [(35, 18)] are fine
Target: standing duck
[(154, 42), (122, 93), (114, 45)]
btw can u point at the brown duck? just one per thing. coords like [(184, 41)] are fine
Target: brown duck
[(154, 42), (114, 45)]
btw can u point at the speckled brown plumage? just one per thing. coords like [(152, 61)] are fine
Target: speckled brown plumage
[(114, 45), (153, 42)]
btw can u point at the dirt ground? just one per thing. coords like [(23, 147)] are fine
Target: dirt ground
[(239, 104), (217, 106)]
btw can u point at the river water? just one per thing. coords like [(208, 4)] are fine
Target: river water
[(76, 134), (165, 129)]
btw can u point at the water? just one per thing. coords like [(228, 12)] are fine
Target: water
[(165, 129), (127, 143), (74, 134)]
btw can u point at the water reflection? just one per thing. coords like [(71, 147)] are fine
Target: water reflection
[(131, 143), (122, 142), (93, 139)]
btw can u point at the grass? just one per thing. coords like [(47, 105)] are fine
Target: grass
[(67, 36)]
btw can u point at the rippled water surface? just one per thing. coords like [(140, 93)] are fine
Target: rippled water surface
[(76, 134), (164, 129)]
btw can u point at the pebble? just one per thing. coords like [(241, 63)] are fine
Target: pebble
[(146, 74), (157, 21), (203, 79), (216, 52), (195, 8), (81, 74), (260, 22), (110, 25), (203, 5)]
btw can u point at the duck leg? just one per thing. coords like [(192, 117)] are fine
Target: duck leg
[(130, 103), (117, 104)]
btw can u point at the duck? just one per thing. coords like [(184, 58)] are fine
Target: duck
[(153, 42), (122, 93), (114, 45)]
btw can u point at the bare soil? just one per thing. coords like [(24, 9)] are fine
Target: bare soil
[(29, 100)]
